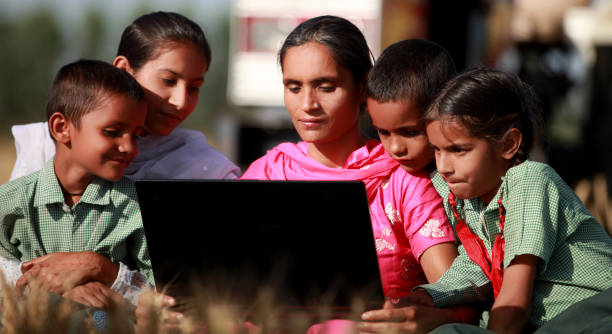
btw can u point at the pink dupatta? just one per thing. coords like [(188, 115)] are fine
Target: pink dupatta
[(288, 161)]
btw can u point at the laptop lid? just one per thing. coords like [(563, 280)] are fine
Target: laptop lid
[(307, 242)]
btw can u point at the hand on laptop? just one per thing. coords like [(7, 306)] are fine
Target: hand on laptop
[(60, 272), (414, 313)]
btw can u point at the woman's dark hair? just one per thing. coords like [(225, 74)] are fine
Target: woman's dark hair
[(142, 40), (488, 103), (345, 41)]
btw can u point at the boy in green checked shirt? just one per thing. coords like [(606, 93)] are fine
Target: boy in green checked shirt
[(77, 221)]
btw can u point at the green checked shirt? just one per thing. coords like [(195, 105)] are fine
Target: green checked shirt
[(543, 218), (34, 220)]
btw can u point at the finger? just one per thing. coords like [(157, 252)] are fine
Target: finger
[(385, 315), (25, 279), (376, 327), (388, 304), (168, 301)]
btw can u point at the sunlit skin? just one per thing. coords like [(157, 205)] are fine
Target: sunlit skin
[(102, 145), (401, 132), (472, 166), (323, 101), (171, 82)]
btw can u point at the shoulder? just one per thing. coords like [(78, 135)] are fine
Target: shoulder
[(534, 177), (265, 166), (16, 193), (123, 191)]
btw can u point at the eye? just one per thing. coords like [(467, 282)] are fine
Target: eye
[(169, 82), (382, 132), (194, 89), (409, 132), (111, 133), (327, 88), (293, 88)]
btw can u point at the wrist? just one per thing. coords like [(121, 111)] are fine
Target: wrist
[(105, 271)]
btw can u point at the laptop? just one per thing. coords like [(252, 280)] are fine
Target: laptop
[(299, 245)]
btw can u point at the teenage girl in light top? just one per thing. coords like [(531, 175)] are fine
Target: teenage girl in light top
[(517, 220), (325, 61), (169, 56)]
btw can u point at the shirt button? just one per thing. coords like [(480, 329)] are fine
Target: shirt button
[(66, 208)]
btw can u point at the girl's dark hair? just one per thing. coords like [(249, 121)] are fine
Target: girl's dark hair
[(345, 41), (142, 40), (488, 103)]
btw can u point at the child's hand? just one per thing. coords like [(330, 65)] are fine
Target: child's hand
[(407, 319), (419, 297), (94, 294), (60, 272)]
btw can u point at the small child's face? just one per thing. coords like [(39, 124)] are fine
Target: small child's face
[(172, 84), (105, 143), (401, 132), (471, 166)]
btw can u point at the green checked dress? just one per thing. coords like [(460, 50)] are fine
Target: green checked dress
[(543, 218)]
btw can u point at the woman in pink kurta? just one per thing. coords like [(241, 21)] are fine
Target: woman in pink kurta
[(325, 61)]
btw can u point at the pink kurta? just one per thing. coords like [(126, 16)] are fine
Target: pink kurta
[(407, 213)]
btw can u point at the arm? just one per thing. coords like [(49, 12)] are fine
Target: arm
[(60, 272), (512, 307), (436, 260)]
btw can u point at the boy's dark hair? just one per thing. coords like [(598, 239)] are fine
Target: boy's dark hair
[(488, 103), (82, 86), (415, 68), (345, 41), (143, 40)]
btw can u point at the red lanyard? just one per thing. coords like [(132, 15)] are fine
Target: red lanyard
[(476, 249)]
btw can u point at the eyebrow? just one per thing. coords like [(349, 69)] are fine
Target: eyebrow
[(315, 82), (179, 75)]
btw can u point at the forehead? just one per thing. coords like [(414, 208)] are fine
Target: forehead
[(394, 114), (118, 108), (311, 60), (448, 131), (177, 57)]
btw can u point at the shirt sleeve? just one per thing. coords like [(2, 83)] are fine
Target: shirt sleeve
[(425, 221), (463, 282), (130, 284), (11, 271), (534, 212), (11, 195)]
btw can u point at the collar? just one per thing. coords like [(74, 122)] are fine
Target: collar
[(49, 191)]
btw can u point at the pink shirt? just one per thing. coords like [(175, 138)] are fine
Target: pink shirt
[(406, 211)]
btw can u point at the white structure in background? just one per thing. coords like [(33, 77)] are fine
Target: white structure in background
[(258, 29)]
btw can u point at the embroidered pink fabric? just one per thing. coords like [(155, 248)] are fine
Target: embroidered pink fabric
[(406, 211)]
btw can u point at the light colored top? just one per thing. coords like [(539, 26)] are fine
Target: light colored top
[(183, 154), (543, 218), (406, 212), (35, 221)]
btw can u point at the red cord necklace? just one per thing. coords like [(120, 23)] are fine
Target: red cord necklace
[(492, 265)]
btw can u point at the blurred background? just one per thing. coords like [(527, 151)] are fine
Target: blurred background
[(563, 48)]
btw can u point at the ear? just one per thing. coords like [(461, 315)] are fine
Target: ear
[(59, 126), (511, 143), (122, 63)]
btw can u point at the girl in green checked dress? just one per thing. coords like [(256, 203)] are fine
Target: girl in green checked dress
[(519, 223)]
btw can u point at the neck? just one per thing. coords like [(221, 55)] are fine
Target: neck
[(334, 153), (73, 179)]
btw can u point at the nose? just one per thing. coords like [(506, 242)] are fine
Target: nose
[(179, 97), (309, 101), (443, 164), (128, 145), (396, 147)]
